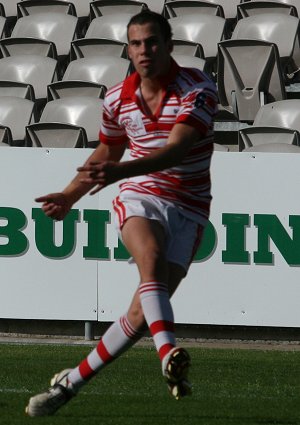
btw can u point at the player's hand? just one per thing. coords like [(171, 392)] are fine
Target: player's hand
[(55, 205), (100, 174)]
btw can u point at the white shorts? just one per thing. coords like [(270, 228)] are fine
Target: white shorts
[(183, 235)]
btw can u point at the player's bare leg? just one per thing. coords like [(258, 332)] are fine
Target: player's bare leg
[(145, 240), (67, 383)]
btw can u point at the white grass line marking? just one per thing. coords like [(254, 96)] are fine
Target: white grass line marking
[(14, 390)]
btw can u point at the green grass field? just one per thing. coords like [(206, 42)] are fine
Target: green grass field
[(240, 387)]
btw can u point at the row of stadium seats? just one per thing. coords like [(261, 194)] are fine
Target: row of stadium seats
[(85, 12), (49, 62), (72, 116)]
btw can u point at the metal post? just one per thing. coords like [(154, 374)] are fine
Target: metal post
[(88, 331)]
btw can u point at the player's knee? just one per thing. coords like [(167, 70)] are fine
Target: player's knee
[(136, 317), (153, 264)]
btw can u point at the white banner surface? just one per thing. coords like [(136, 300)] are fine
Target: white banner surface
[(246, 272)]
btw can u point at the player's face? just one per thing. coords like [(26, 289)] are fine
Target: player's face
[(148, 50)]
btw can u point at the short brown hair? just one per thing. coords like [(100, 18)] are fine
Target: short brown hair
[(147, 16)]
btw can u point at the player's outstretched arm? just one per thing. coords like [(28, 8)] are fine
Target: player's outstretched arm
[(57, 205)]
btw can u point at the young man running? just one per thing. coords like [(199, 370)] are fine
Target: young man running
[(164, 113)]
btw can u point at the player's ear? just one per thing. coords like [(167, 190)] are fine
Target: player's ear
[(128, 52)]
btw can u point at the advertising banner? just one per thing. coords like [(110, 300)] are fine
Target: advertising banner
[(246, 271)]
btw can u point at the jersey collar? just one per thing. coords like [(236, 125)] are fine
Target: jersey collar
[(132, 83)]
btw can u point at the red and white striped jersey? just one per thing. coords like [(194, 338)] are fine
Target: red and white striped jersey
[(189, 97)]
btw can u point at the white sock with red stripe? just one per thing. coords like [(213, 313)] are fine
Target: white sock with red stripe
[(118, 338), (159, 316)]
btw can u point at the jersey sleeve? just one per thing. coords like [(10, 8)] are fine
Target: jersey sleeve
[(198, 107), (111, 133)]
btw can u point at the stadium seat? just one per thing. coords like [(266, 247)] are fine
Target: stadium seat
[(35, 70), (295, 3), (230, 12), (86, 47), (220, 148), (16, 113), (250, 8), (190, 61), (183, 47), (29, 7), (10, 10), (55, 135), (12, 46), (106, 70), (113, 27), (17, 89), (229, 6), (3, 27), (5, 137), (206, 30), (183, 7), (249, 75), (82, 8), (100, 8), (257, 136), (56, 27), (284, 113), (274, 148), (81, 111), (61, 89), (10, 7), (278, 28), (155, 5)]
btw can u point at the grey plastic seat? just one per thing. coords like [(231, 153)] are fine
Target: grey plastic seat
[(113, 27), (82, 8), (274, 148), (86, 47), (278, 28), (250, 8), (108, 7), (155, 5), (3, 27), (10, 10), (182, 7), (10, 7), (29, 7), (206, 30), (5, 137), (16, 113), (295, 3), (230, 12), (249, 75), (17, 89), (106, 70), (55, 135), (190, 61), (56, 27), (183, 47), (220, 148), (284, 113), (36, 70), (12, 46), (229, 6), (82, 111), (263, 135), (61, 89)]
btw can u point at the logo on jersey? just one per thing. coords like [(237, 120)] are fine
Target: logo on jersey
[(134, 125)]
